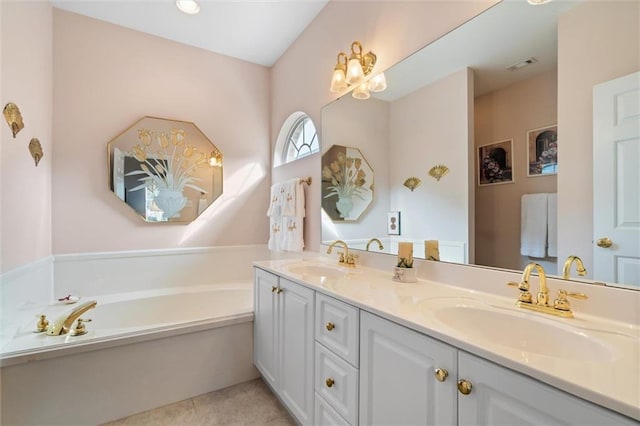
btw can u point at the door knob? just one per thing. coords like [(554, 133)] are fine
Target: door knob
[(464, 387), (441, 374), (330, 326), (604, 242), (329, 382)]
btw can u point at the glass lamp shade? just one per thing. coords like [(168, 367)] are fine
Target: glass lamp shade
[(188, 6), (355, 74), (338, 81), (378, 83), (361, 92)]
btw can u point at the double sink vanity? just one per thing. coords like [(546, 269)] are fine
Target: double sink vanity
[(345, 344)]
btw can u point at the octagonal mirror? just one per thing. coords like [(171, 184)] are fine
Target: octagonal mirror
[(347, 183), (165, 170)]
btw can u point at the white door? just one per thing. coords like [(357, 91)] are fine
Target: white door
[(616, 180), (265, 356), (501, 397), (296, 349), (398, 385)]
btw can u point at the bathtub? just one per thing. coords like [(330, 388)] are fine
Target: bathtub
[(142, 350)]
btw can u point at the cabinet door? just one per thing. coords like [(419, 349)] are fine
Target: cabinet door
[(397, 380), (500, 396), (296, 349), (265, 330)]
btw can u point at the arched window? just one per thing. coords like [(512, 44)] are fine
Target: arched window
[(297, 139)]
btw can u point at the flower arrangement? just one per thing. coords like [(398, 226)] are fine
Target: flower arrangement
[(404, 262), (171, 165), (346, 176), (548, 156), (491, 170)]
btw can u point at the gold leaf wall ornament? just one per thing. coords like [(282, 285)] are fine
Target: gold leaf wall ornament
[(13, 116), (438, 171), (35, 148), (412, 183)]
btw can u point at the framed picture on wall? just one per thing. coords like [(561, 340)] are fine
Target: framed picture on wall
[(495, 163), (542, 151)]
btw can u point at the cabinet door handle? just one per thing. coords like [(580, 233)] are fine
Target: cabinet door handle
[(464, 387), (329, 382), (279, 290), (441, 374), (330, 326), (273, 289)]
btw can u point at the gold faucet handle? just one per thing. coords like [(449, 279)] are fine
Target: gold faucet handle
[(562, 303), (43, 323), (523, 286), (341, 258), (351, 259), (80, 328)]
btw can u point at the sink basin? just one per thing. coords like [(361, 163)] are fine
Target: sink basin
[(317, 270), (523, 332)]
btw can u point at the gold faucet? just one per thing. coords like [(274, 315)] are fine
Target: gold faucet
[(63, 324), (345, 257), (566, 270), (560, 306), (380, 246)]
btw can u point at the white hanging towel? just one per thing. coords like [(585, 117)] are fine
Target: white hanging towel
[(286, 216), (533, 225), (552, 225)]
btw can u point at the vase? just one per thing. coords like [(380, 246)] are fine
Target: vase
[(344, 206), (170, 201)]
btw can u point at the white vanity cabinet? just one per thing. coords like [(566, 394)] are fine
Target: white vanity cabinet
[(500, 396), (397, 380), (283, 341)]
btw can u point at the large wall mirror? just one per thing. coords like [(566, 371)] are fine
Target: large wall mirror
[(165, 170), (484, 96)]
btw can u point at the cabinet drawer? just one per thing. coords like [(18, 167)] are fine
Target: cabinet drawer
[(325, 415), (337, 327), (337, 382)]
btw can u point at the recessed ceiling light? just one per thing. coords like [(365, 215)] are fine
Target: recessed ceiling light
[(538, 2), (520, 65), (188, 6)]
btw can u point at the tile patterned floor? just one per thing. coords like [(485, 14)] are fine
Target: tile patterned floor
[(246, 404)]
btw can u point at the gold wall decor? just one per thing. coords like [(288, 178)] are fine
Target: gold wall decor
[(438, 171), (412, 183), (13, 116), (35, 148)]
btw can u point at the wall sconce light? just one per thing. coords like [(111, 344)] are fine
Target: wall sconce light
[(215, 158), (438, 171), (352, 70), (13, 117)]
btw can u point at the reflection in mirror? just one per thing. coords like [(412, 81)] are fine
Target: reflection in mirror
[(470, 89), (347, 183), (165, 170)]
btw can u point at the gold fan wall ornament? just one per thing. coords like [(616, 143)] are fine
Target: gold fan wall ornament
[(412, 183), (35, 148), (13, 116), (438, 171)]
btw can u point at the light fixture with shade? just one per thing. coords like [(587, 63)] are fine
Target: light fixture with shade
[(190, 7), (215, 158), (352, 70)]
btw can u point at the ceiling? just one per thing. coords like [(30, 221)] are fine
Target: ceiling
[(257, 31)]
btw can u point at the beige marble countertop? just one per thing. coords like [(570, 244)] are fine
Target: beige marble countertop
[(607, 374)]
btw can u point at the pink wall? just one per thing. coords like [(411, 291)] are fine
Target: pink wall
[(596, 43), (105, 78), (420, 129), (300, 79), (25, 190), (508, 114)]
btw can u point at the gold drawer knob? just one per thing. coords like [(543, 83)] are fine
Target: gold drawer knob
[(273, 289), (279, 290), (330, 326), (464, 387), (441, 374), (329, 382)]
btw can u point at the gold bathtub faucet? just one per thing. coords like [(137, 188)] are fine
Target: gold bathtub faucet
[(560, 307), (63, 324), (566, 269), (345, 257)]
